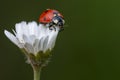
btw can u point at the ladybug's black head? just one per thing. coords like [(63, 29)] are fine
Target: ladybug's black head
[(58, 21)]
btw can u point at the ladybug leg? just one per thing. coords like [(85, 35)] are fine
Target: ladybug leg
[(51, 26), (61, 29), (54, 28)]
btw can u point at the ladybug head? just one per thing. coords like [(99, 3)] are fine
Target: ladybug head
[(58, 21)]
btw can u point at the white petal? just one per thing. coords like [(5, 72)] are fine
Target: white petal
[(20, 31), (32, 39), (52, 39), (42, 30), (19, 27), (32, 28), (41, 43), (12, 38), (36, 46), (26, 39), (29, 39), (29, 48), (45, 44)]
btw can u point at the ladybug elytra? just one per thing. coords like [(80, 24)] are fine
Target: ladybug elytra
[(52, 18)]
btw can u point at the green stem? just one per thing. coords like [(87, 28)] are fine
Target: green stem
[(36, 71)]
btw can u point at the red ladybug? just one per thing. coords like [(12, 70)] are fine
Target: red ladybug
[(52, 18)]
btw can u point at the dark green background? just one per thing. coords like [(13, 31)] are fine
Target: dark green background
[(88, 48)]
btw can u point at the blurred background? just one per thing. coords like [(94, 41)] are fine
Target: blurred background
[(88, 48)]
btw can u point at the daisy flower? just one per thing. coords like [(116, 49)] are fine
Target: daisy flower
[(34, 39), (37, 40)]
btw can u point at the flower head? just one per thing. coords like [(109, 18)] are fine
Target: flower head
[(33, 37), (37, 40)]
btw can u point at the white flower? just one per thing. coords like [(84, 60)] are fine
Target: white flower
[(33, 37)]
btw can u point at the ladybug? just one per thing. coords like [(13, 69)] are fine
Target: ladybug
[(52, 18)]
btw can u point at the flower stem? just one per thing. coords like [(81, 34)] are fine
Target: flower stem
[(36, 71)]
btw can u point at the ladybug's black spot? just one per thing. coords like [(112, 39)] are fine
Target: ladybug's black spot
[(44, 18)]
